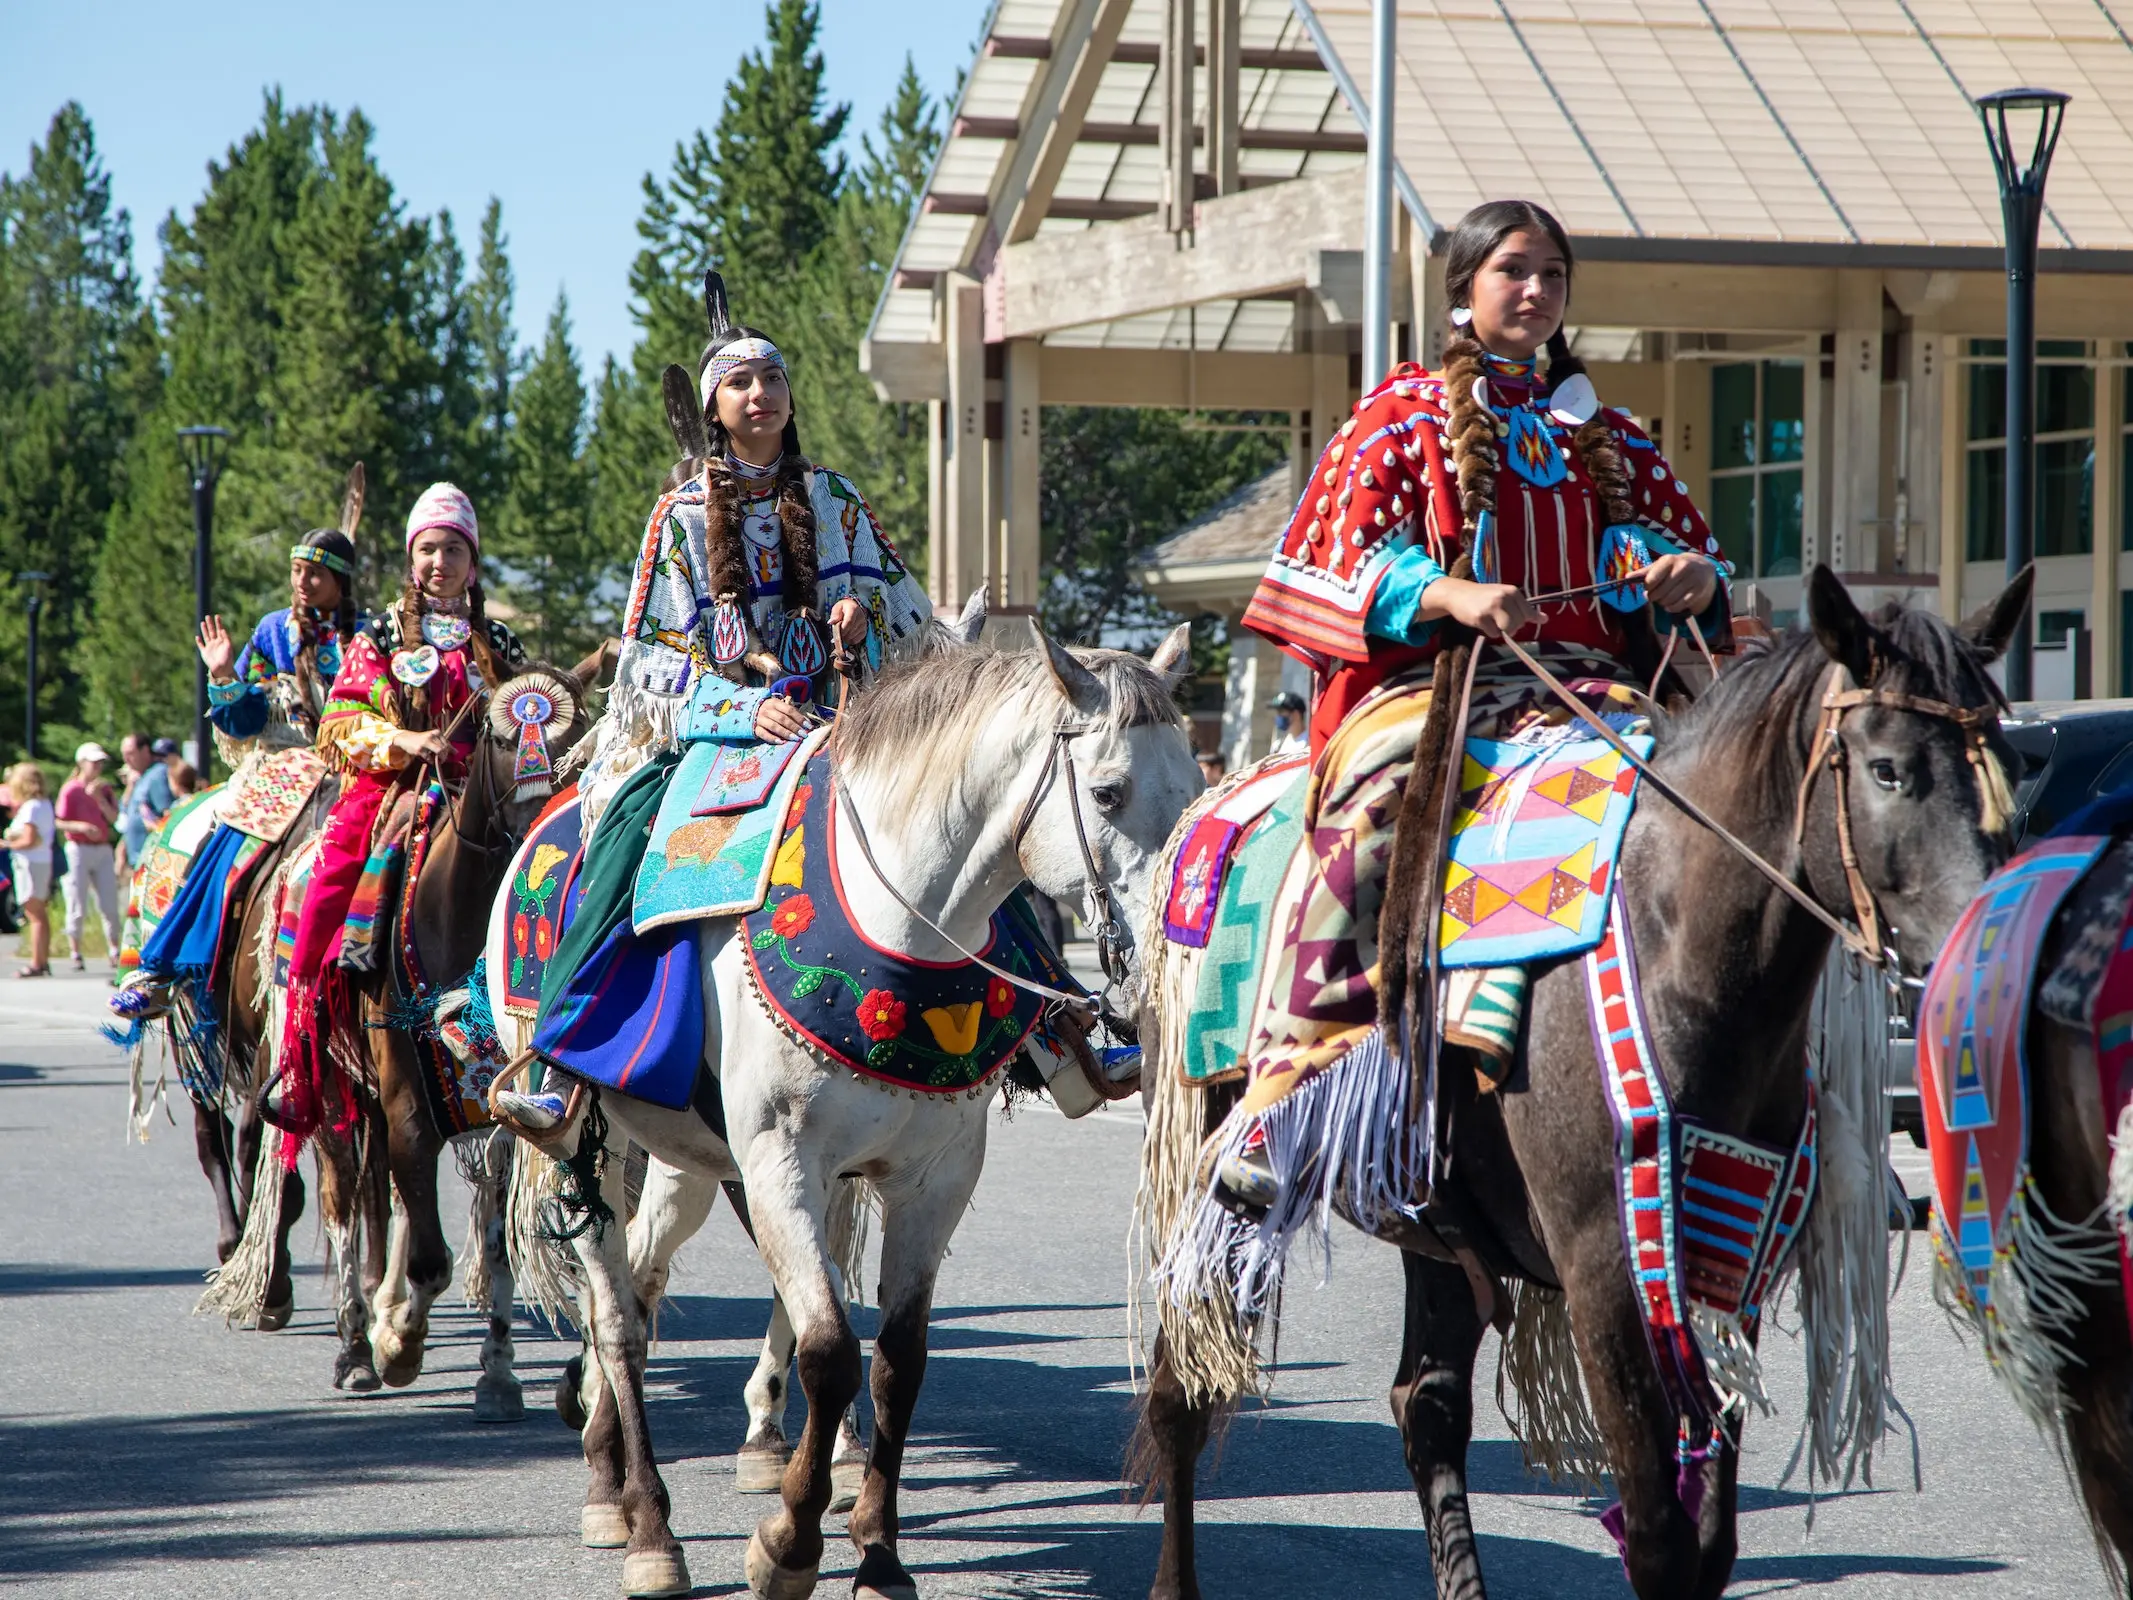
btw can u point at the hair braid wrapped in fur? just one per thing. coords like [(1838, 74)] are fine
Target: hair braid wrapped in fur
[(1471, 426), (725, 547)]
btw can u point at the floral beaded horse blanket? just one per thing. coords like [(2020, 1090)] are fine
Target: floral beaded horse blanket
[(929, 1027), (544, 891)]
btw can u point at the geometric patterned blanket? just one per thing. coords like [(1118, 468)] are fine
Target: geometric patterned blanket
[(1238, 935), (717, 864), (1973, 1067), (1534, 841)]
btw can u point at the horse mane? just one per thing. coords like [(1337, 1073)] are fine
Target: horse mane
[(1767, 700), (928, 708)]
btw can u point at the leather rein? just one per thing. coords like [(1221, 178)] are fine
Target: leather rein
[(1840, 697)]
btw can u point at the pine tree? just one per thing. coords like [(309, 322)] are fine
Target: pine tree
[(753, 198), (1116, 481), (494, 361), (305, 311), (76, 369), (549, 565)]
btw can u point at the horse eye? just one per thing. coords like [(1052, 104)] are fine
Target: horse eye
[(1108, 796), (1885, 774)]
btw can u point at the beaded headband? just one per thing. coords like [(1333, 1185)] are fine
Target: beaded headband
[(324, 557), (730, 356)]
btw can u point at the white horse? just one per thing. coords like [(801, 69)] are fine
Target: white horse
[(966, 771)]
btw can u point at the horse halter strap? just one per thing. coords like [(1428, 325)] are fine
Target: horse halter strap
[(1110, 929), (1828, 750)]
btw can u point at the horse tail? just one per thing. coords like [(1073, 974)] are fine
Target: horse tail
[(543, 1267)]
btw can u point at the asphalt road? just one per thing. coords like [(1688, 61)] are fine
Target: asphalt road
[(145, 1451)]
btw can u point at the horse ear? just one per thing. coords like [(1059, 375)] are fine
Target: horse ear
[(588, 672), (970, 626), (1993, 624), (1846, 636), (352, 500), (1084, 691), (685, 413), (1173, 657), (715, 311)]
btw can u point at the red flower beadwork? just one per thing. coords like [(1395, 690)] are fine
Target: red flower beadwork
[(999, 998), (520, 933), (794, 918), (881, 1014), (543, 938)]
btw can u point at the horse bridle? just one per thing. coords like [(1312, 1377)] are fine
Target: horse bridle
[(1838, 698), (1827, 750)]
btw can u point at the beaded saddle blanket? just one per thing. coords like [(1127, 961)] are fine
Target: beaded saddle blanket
[(544, 891), (1973, 1070), (714, 841), (932, 1028)]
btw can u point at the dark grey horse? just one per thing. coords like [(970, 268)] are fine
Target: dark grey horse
[(1729, 968)]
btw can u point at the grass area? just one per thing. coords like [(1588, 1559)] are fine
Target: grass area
[(92, 933)]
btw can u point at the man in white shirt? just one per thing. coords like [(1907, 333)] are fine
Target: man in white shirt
[(1289, 722)]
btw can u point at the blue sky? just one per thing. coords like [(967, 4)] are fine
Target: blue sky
[(558, 110)]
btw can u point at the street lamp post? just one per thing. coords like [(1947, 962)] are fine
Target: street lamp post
[(205, 450), (32, 603), (2021, 210)]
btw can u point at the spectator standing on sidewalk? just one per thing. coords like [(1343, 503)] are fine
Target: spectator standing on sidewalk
[(148, 795), (86, 811), (29, 843)]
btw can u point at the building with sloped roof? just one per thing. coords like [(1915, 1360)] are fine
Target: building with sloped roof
[(1789, 264)]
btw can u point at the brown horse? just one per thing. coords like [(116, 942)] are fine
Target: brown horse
[(383, 1312), (1729, 966)]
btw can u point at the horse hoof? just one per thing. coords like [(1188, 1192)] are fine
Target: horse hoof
[(882, 1577), (569, 1400), (760, 1468), (603, 1527), (769, 1581), (399, 1377), (355, 1374), (499, 1400), (845, 1480), (272, 1319), (654, 1572)]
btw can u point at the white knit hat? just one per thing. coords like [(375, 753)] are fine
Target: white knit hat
[(444, 505)]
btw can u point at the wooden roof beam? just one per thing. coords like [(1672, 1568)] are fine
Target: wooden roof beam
[(1334, 141), (1063, 94), (1134, 53)]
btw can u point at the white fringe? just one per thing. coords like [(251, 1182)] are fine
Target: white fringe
[(546, 1274), (2041, 1265), (1842, 1257), (142, 1102), (635, 726), (2118, 1194), (1346, 1140), (238, 1288), (1540, 1389), (851, 1212)]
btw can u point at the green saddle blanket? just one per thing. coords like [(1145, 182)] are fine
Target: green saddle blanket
[(1238, 939)]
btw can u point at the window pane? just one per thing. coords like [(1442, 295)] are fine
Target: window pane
[(1733, 415), (1733, 519), (2054, 626), (1988, 400), (2125, 501), (1784, 411), (2066, 399), (1783, 514), (2065, 470), (2059, 349), (1985, 506), (1995, 348)]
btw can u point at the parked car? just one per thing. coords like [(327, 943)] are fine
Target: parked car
[(2072, 751)]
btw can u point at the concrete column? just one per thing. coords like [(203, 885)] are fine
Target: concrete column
[(2107, 502), (1425, 291), (958, 564), (1951, 480), (1855, 422), (1918, 512), (1223, 103), (1020, 553)]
